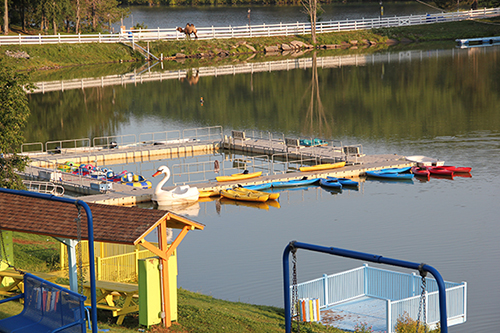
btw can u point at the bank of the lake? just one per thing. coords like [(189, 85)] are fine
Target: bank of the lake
[(207, 52)]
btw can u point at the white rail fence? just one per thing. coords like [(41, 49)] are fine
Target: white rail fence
[(245, 31), (400, 291)]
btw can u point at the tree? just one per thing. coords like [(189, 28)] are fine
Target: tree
[(313, 9), (6, 17), (14, 113)]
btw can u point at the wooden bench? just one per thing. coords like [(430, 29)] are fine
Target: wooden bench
[(48, 307), (11, 281), (353, 151), (238, 135), (110, 291), (293, 143)]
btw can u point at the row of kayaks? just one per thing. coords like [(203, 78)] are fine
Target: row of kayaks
[(419, 171), (105, 174), (247, 175)]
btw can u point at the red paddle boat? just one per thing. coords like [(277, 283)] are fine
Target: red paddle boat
[(457, 169), (421, 172), (440, 171)]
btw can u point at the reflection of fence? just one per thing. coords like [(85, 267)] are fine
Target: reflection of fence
[(401, 291), (246, 31), (114, 262)]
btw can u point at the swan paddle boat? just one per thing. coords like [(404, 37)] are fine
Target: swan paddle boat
[(180, 194)]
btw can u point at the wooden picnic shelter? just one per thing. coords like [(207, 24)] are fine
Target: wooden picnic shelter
[(111, 224)]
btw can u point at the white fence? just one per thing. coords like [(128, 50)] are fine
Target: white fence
[(246, 31), (401, 291)]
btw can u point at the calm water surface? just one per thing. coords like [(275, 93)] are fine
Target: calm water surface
[(445, 107)]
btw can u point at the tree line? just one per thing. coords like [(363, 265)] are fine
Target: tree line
[(88, 16)]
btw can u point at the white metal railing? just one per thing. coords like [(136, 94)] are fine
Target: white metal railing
[(401, 291), (44, 187), (246, 31)]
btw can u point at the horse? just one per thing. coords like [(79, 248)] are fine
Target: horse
[(188, 30)]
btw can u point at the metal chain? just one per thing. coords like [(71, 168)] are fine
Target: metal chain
[(422, 305), (295, 311), (78, 220)]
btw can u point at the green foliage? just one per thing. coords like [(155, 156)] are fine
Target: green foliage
[(14, 113), (405, 324), (363, 328), (35, 253)]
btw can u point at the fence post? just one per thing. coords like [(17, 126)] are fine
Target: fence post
[(59, 38), (40, 39), (325, 289), (99, 268), (389, 315), (136, 252), (20, 39)]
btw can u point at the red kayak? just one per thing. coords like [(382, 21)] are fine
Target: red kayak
[(457, 169), (420, 172), (440, 171)]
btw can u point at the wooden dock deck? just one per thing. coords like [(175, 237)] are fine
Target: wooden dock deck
[(277, 150)]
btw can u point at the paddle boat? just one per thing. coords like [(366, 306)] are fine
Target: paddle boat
[(258, 187), (295, 182), (313, 143), (253, 204), (272, 196), (247, 196), (208, 193), (345, 181), (330, 183), (324, 166), (424, 160), (178, 195), (135, 181), (238, 176), (421, 172)]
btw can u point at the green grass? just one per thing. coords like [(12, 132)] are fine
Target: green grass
[(75, 55)]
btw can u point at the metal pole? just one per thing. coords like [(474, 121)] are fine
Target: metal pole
[(360, 256), (90, 228)]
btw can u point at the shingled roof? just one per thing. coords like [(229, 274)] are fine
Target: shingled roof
[(112, 224)]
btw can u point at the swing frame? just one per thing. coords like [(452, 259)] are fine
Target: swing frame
[(294, 245)]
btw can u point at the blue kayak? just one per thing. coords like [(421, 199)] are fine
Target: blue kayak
[(389, 175), (394, 170), (330, 183), (296, 182), (258, 187), (344, 181)]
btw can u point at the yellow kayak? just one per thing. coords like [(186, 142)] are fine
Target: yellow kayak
[(272, 196), (323, 166), (254, 204), (237, 195), (209, 193), (238, 176)]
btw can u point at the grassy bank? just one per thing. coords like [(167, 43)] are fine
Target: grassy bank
[(207, 52)]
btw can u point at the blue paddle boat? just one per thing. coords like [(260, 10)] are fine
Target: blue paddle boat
[(389, 175), (295, 182), (330, 183), (344, 181)]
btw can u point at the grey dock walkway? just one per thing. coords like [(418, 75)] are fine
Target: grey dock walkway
[(274, 152)]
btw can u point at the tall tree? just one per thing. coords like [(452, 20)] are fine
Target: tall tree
[(6, 18), (14, 113), (312, 8)]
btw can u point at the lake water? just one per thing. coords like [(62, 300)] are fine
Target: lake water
[(446, 105)]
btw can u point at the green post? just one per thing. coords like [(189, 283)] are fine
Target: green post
[(7, 248), (149, 292)]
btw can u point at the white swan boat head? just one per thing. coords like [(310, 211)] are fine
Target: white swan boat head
[(180, 194)]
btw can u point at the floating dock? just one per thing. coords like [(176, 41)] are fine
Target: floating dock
[(276, 151)]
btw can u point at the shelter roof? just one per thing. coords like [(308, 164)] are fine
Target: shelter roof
[(112, 224)]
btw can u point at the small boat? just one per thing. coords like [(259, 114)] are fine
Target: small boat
[(394, 170), (424, 160), (179, 195), (344, 181), (325, 166), (248, 196), (136, 181), (440, 171), (295, 182), (457, 169), (238, 176), (421, 172), (313, 143), (389, 175), (258, 187), (208, 193), (330, 183), (272, 196), (253, 204)]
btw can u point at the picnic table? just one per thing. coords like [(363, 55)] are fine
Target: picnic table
[(110, 291), (11, 281)]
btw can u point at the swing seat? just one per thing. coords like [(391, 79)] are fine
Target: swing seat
[(48, 307)]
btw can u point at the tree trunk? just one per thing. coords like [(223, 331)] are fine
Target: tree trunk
[(54, 25), (314, 11), (6, 19), (77, 23)]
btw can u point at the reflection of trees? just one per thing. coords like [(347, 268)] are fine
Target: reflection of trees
[(315, 110)]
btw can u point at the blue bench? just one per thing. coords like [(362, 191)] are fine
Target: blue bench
[(47, 308)]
